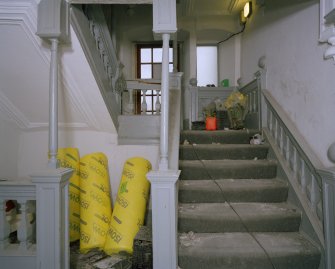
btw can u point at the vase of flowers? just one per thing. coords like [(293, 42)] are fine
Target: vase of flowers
[(236, 105)]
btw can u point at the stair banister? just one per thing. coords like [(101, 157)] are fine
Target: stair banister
[(312, 183)]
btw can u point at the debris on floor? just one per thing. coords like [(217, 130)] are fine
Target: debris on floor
[(256, 139), (188, 239)]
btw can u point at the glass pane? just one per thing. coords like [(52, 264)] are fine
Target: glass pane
[(170, 55), (170, 67), (157, 55), (157, 71), (207, 65), (146, 71), (145, 55), (149, 102)]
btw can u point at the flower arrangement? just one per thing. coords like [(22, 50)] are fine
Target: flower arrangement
[(236, 105), (209, 110)]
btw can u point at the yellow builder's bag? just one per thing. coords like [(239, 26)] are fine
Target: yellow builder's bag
[(95, 202), (69, 157), (129, 210)]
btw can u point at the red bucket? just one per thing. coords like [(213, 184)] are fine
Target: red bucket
[(211, 123)]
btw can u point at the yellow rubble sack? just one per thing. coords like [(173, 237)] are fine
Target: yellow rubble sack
[(129, 210), (69, 157), (95, 201)]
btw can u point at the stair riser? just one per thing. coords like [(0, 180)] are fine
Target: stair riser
[(222, 137), (226, 171), (222, 152), (222, 225), (268, 195)]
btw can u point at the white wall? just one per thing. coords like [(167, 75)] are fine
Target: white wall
[(229, 60), (298, 76), (34, 147), (9, 147)]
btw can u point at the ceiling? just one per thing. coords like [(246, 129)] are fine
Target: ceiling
[(210, 20)]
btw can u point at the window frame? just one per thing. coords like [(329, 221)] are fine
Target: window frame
[(150, 93)]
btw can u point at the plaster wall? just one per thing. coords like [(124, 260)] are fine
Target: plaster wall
[(34, 147), (229, 60), (298, 77), (9, 147)]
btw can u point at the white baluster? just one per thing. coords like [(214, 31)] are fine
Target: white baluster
[(144, 105), (4, 226), (131, 101), (303, 179), (23, 230), (293, 159), (279, 135), (53, 105), (273, 125), (268, 119), (158, 103), (314, 193), (164, 132), (249, 95), (254, 101), (284, 146), (281, 139)]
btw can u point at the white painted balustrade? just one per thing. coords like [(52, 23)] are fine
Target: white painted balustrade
[(19, 222), (144, 87), (313, 184), (34, 234)]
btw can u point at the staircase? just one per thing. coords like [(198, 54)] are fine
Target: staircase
[(233, 209)]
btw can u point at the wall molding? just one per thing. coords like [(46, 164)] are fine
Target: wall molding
[(10, 111), (23, 13)]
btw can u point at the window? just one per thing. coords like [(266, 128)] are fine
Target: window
[(149, 66), (207, 65)]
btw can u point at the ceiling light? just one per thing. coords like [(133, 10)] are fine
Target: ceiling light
[(247, 9)]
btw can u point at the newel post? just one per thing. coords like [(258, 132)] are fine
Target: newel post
[(328, 189), (52, 218), (53, 26), (164, 181)]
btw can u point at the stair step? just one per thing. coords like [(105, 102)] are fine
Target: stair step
[(223, 137), (239, 190), (238, 217), (241, 250), (222, 169), (222, 151)]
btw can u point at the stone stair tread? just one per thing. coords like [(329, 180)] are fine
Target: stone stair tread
[(219, 136), (238, 217), (241, 250), (233, 190), (222, 151), (221, 169)]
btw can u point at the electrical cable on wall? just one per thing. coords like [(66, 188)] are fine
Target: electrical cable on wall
[(229, 37)]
